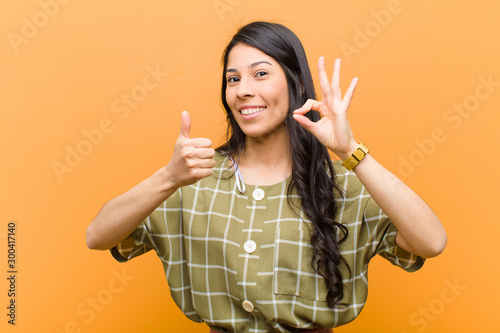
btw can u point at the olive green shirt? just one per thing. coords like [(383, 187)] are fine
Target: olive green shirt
[(241, 262)]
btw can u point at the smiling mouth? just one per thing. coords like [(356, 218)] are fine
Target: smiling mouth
[(252, 110)]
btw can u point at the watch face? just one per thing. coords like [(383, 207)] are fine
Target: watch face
[(357, 156), (350, 162)]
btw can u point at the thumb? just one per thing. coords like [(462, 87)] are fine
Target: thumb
[(185, 125)]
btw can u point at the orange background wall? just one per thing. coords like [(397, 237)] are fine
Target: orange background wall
[(426, 104)]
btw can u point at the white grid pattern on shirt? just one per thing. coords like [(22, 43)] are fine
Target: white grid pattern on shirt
[(207, 203)]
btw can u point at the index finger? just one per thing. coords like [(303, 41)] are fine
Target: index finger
[(309, 105)]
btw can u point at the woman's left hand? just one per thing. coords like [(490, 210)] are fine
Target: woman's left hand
[(333, 129)]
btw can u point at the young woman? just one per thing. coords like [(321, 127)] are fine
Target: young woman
[(266, 233)]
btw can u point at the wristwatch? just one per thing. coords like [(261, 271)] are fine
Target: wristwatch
[(357, 156)]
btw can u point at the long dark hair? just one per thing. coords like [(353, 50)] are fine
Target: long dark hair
[(313, 175)]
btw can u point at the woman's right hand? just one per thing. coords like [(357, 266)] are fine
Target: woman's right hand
[(193, 159)]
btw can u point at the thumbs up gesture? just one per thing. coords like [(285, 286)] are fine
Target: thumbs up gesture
[(192, 159)]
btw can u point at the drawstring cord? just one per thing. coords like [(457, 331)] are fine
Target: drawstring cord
[(239, 179)]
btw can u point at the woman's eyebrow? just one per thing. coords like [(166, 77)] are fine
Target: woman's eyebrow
[(250, 66), (258, 63)]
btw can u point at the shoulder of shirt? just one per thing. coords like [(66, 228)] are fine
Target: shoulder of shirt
[(220, 158), (346, 179), (340, 170)]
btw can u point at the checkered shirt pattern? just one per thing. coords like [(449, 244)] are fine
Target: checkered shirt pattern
[(202, 235)]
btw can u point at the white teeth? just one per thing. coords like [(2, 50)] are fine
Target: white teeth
[(251, 111)]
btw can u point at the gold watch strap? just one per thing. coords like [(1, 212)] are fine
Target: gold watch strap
[(357, 156)]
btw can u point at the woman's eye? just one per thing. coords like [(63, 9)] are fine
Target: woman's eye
[(261, 73), (232, 79)]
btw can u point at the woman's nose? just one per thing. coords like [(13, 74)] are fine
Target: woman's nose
[(245, 88)]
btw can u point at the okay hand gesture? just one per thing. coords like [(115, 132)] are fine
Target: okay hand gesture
[(333, 129)]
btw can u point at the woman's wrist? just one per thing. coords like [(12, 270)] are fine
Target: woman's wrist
[(346, 154), (356, 157), (164, 180)]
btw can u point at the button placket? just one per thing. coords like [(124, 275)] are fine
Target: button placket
[(258, 206)]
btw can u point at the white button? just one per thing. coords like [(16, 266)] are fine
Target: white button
[(258, 194), (248, 306), (250, 246)]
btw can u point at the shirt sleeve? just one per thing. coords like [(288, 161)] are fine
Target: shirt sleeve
[(136, 244), (384, 238), (153, 233)]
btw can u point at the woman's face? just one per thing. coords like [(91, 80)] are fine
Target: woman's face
[(256, 91)]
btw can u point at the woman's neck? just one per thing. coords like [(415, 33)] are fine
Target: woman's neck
[(266, 160)]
